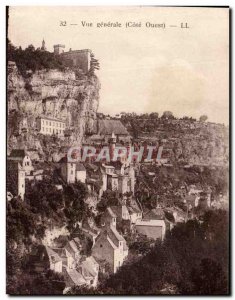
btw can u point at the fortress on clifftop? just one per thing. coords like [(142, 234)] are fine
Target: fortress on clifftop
[(74, 58)]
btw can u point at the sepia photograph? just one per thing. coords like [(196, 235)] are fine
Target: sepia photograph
[(117, 150)]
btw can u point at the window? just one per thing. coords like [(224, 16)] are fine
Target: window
[(46, 123), (101, 245), (42, 122), (42, 128), (22, 185), (71, 172)]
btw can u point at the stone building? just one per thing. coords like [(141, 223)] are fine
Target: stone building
[(110, 245), (72, 171), (111, 131), (20, 155), (19, 167), (117, 176), (50, 126), (74, 58), (15, 179)]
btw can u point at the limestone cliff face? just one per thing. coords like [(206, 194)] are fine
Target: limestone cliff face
[(55, 94)]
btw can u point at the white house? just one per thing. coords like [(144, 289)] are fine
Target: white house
[(155, 229)]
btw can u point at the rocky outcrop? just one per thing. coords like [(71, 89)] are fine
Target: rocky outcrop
[(56, 94)]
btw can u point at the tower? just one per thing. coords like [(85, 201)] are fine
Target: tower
[(113, 141), (43, 48), (58, 49)]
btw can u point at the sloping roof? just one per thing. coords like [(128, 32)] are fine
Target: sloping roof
[(96, 137), (158, 223), (18, 153), (133, 209), (155, 214), (52, 254), (117, 210), (111, 126), (75, 277), (88, 268), (80, 167), (50, 118), (63, 160), (72, 246), (111, 213), (111, 243), (115, 235), (62, 252), (92, 260)]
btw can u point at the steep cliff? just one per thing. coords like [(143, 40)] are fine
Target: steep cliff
[(54, 93)]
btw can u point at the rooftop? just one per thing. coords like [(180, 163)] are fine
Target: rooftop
[(18, 153), (158, 223), (111, 213), (51, 119), (109, 127)]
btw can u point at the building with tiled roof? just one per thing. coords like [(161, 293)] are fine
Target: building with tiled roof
[(110, 245), (72, 171), (89, 268), (73, 278), (44, 257), (104, 129), (66, 256), (20, 156)]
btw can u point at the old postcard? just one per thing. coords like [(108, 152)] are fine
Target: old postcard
[(117, 173)]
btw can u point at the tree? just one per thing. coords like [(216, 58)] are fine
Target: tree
[(203, 118), (141, 244), (31, 59), (49, 283), (209, 279), (154, 115), (167, 115)]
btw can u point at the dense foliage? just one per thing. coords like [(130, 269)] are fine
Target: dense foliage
[(33, 59), (58, 206)]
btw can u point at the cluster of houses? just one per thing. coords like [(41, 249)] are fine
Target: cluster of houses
[(108, 243), (77, 269)]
